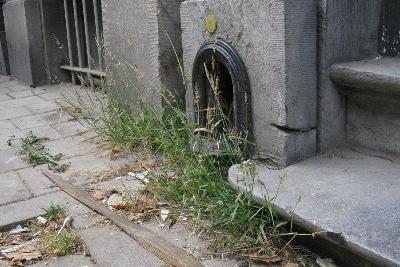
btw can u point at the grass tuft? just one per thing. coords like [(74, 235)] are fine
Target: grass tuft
[(199, 188), (54, 212), (59, 244), (36, 153)]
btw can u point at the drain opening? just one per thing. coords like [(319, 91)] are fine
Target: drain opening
[(221, 92), (215, 106)]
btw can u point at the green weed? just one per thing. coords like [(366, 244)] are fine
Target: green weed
[(59, 244), (36, 153), (54, 212), (199, 189)]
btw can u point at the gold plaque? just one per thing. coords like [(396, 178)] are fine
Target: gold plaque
[(211, 23)]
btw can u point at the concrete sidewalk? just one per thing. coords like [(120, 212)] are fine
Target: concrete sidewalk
[(25, 191)]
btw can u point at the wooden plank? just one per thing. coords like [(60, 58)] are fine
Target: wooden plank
[(171, 254)]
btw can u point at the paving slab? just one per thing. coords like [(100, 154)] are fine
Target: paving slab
[(41, 120), (109, 246), (67, 261), (6, 127), (10, 160), (45, 89), (182, 236), (350, 194), (21, 94), (21, 102), (71, 147), (12, 188), (17, 212), (15, 85), (42, 107), (14, 112), (121, 183), (70, 128), (87, 168), (35, 181), (52, 96), (16, 135), (3, 96)]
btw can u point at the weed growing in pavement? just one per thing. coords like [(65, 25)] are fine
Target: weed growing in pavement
[(59, 244), (199, 188), (53, 212), (56, 241), (36, 153)]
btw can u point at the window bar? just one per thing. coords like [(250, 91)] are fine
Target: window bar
[(87, 38), (70, 55), (78, 35), (98, 38)]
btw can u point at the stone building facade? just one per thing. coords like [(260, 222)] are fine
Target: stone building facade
[(316, 74)]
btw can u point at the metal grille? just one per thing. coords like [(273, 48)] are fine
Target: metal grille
[(84, 35)]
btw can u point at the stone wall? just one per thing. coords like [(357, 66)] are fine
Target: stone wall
[(277, 42), (24, 41), (36, 40), (142, 42)]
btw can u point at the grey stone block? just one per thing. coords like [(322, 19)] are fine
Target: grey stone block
[(71, 147), (277, 43), (12, 188), (373, 121), (4, 97), (348, 194), (348, 31), (36, 182), (43, 107), (379, 75), (121, 250), (10, 160), (6, 128), (46, 119), (36, 40), (24, 40), (15, 112), (67, 261), (70, 128), (21, 102), (142, 41), (17, 212), (21, 94)]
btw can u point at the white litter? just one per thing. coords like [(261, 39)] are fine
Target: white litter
[(164, 215), (19, 229), (12, 249), (182, 218), (41, 220), (140, 176)]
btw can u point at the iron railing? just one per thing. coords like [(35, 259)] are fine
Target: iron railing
[(84, 35)]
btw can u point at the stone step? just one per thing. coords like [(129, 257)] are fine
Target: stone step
[(379, 75), (349, 194)]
